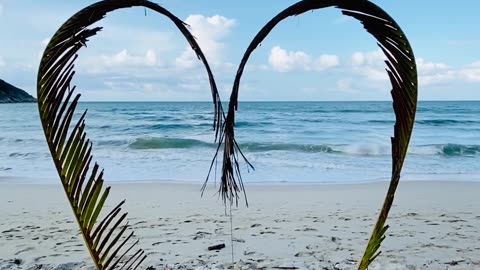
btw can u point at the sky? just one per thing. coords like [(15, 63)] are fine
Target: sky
[(320, 55)]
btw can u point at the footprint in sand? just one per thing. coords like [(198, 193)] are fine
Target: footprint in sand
[(200, 235), (24, 250)]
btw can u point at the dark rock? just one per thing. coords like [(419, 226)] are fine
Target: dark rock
[(12, 94), (216, 247)]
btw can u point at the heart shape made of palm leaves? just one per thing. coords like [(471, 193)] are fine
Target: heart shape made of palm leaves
[(71, 150)]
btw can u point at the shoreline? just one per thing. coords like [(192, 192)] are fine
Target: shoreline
[(9, 180)]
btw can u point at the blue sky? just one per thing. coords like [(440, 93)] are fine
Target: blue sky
[(320, 55)]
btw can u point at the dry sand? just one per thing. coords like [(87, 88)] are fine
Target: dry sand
[(434, 225)]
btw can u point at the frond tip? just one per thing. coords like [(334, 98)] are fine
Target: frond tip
[(401, 69), (107, 241)]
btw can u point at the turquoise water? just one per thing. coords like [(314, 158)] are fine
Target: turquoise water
[(320, 142)]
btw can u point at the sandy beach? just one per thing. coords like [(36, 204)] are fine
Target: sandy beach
[(434, 225)]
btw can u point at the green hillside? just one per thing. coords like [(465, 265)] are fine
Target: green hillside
[(12, 94)]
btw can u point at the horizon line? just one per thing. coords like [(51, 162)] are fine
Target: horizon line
[(265, 101)]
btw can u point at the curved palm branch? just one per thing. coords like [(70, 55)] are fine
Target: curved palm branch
[(401, 69), (71, 151)]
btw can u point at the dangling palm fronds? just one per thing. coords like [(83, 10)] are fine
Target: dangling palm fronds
[(401, 69), (71, 151)]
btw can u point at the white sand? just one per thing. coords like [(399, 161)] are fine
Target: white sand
[(434, 225)]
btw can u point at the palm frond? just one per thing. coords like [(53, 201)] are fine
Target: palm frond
[(401, 69), (107, 240)]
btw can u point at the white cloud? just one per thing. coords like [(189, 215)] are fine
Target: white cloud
[(430, 73), (371, 66), (186, 60), (471, 72), (1, 9), (425, 67), (437, 73), (326, 61), (209, 32), (368, 58), (121, 60), (285, 61)]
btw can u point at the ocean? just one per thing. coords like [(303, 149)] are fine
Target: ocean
[(314, 142)]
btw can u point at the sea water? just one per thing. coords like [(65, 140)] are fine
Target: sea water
[(317, 142)]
